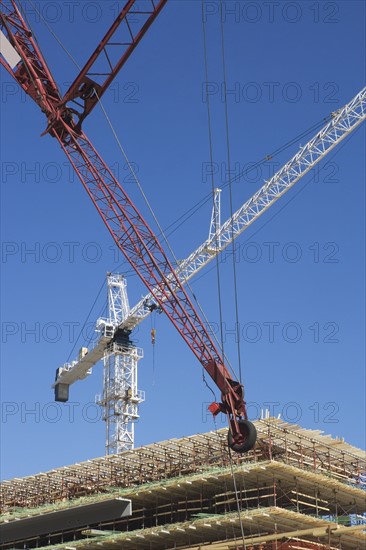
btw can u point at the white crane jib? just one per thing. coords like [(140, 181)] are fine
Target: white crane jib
[(344, 121), (118, 310)]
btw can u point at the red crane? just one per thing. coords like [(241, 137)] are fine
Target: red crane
[(128, 228)]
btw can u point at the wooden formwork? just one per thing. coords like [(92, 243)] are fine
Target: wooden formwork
[(156, 463)]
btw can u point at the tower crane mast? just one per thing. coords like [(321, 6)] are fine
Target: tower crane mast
[(128, 228), (120, 398)]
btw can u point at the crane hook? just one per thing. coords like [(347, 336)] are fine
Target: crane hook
[(153, 334)]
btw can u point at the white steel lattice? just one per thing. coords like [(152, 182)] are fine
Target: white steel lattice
[(120, 397), (214, 234), (117, 298), (343, 123)]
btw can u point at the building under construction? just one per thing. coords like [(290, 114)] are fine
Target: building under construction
[(296, 489)]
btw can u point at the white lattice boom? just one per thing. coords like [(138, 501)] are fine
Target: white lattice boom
[(213, 236), (345, 121)]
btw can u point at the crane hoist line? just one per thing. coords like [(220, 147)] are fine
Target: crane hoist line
[(128, 228), (23, 60), (120, 413)]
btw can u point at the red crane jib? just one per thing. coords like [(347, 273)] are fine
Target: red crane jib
[(129, 230), (118, 43)]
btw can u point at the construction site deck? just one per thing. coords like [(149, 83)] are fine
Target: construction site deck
[(296, 489)]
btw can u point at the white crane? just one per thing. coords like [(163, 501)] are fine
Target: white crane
[(343, 122), (120, 398)]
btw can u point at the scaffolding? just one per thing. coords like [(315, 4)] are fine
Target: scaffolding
[(277, 440), (184, 493)]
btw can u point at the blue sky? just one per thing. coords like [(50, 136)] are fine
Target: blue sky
[(301, 309)]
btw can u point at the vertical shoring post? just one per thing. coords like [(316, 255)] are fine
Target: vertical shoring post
[(329, 461), (52, 491), (286, 448), (224, 454), (156, 462), (111, 472), (314, 455), (200, 454), (344, 465), (316, 502), (208, 449), (173, 457), (197, 454), (62, 494), (269, 443), (170, 465), (180, 460), (302, 452), (274, 492)]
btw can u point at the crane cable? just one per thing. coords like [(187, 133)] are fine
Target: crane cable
[(216, 235), (218, 279), (86, 320), (205, 199), (153, 341), (236, 178), (58, 40), (162, 232), (293, 197), (237, 331), (238, 505), (133, 173), (183, 218)]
